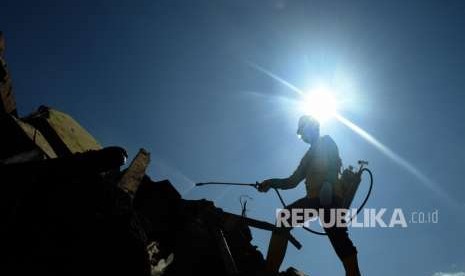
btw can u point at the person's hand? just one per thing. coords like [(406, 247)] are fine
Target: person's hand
[(265, 185)]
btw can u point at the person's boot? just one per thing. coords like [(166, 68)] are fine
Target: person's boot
[(351, 265)]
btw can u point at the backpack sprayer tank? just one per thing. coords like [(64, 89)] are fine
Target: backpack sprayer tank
[(348, 183)]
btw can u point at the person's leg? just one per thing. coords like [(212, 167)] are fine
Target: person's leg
[(351, 265), (345, 249), (278, 242), (276, 252)]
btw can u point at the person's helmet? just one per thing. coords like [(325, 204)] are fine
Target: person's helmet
[(307, 121), (307, 124)]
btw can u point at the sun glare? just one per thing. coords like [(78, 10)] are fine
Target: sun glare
[(320, 103)]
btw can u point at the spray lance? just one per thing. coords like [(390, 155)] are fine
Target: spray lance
[(345, 189)]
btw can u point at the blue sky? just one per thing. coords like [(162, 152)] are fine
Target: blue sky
[(175, 77)]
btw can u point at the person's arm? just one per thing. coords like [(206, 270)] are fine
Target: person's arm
[(290, 182)]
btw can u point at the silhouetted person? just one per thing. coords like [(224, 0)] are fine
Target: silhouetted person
[(319, 167)]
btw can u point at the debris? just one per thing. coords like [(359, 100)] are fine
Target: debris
[(158, 266), (65, 135), (69, 209), (7, 99), (133, 176)]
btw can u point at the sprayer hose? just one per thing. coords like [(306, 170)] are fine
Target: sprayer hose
[(359, 209)]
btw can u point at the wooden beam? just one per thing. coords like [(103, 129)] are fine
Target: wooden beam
[(264, 226), (133, 176)]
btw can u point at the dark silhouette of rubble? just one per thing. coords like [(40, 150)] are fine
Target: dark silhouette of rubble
[(7, 100), (69, 208)]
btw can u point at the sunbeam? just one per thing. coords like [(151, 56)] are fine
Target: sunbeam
[(393, 156), (399, 160), (276, 77)]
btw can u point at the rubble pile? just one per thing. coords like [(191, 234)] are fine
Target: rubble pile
[(71, 207)]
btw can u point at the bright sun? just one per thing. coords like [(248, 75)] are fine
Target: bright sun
[(320, 103)]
